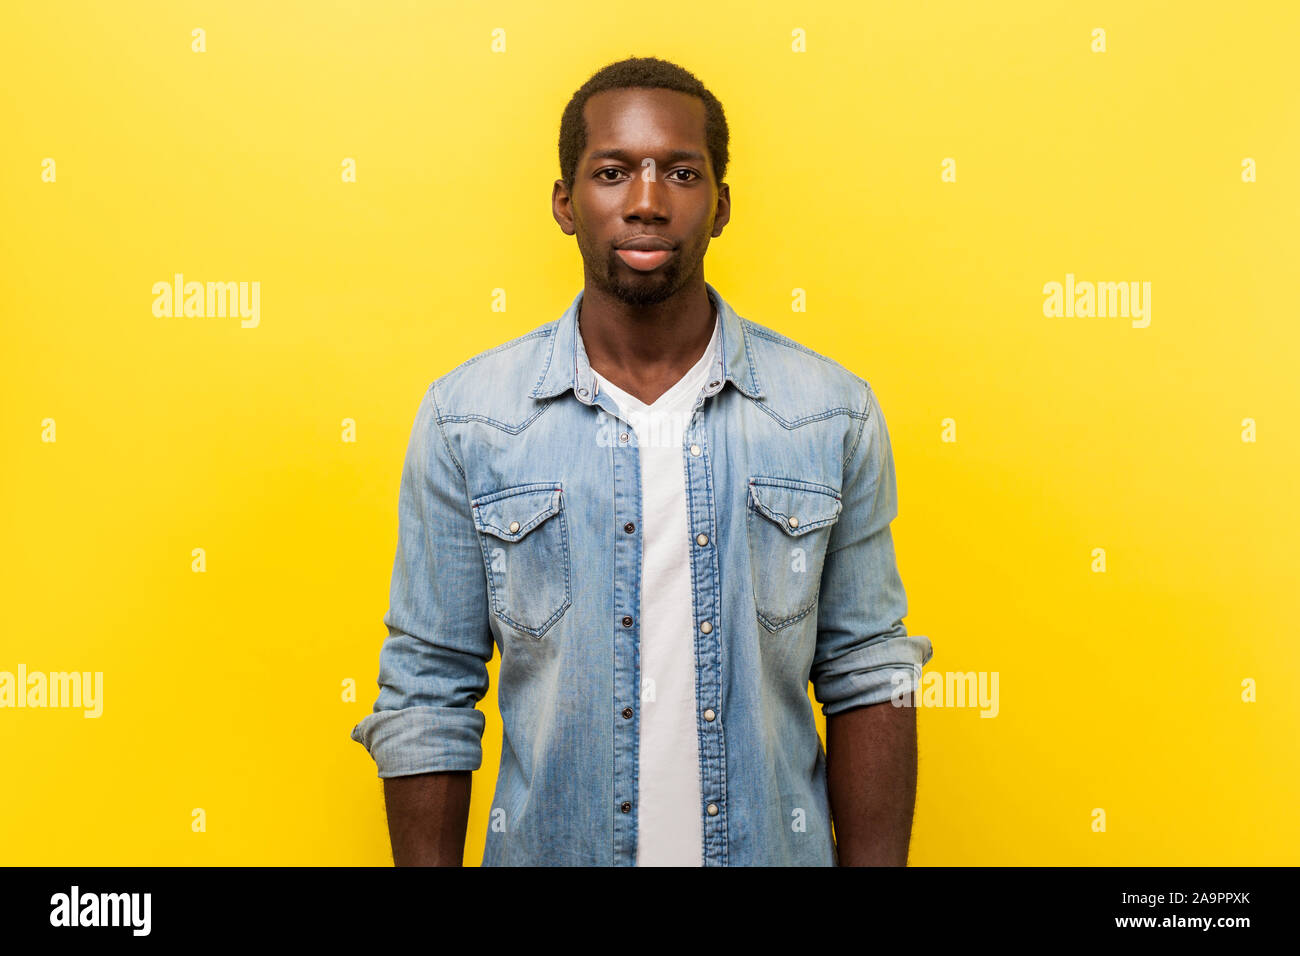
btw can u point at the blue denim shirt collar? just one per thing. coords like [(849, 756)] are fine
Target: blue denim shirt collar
[(566, 365)]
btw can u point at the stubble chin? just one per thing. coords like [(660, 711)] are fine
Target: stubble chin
[(650, 289)]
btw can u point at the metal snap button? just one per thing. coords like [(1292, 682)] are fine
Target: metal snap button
[(514, 526)]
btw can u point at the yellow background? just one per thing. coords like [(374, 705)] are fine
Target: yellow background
[(1119, 691)]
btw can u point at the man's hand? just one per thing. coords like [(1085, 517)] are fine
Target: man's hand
[(871, 780), (427, 816)]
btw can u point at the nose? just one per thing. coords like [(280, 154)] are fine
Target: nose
[(645, 198)]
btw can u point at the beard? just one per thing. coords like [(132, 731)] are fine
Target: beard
[(649, 288), (613, 277)]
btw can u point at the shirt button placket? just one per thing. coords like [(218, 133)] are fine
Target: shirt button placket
[(626, 477), (703, 561)]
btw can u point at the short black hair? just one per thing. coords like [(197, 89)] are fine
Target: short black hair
[(646, 72)]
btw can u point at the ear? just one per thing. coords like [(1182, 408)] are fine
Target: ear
[(562, 207), (722, 212)]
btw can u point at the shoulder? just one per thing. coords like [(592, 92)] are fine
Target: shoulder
[(490, 385), (799, 382)]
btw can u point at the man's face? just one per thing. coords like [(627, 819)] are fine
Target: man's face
[(645, 173)]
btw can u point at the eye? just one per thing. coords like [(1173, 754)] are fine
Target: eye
[(685, 170), (608, 169)]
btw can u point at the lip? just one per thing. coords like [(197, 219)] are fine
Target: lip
[(644, 260), (644, 253), (647, 243)]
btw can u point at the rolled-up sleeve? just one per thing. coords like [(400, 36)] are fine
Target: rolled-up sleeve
[(864, 654), (433, 663)]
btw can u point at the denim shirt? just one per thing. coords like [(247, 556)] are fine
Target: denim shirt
[(520, 525)]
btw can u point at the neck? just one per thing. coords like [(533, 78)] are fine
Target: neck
[(646, 349)]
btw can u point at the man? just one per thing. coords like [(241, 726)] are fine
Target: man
[(669, 519)]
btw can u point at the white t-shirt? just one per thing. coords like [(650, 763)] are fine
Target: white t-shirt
[(670, 825)]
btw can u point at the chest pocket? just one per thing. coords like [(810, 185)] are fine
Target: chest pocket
[(789, 526), (525, 537)]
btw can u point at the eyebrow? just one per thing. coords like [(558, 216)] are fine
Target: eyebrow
[(672, 157)]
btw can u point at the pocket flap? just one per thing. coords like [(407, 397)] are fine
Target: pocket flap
[(796, 507), (511, 513)]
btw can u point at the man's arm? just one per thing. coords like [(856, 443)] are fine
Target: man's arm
[(866, 662), (425, 732), (871, 778), (427, 816)]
